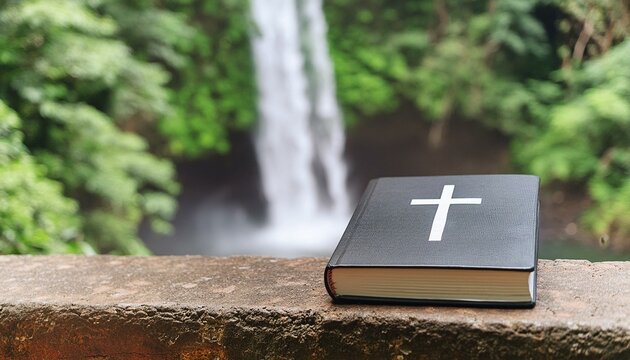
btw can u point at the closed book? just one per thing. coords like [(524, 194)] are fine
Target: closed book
[(458, 240)]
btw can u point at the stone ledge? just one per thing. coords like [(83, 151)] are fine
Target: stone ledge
[(107, 307)]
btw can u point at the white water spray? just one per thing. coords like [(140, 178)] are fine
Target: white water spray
[(299, 141)]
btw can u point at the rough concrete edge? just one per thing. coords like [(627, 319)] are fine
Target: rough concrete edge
[(30, 329)]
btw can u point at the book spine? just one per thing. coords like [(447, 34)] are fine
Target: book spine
[(343, 242), (329, 283), (352, 224)]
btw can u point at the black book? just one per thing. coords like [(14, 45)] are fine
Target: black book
[(462, 240)]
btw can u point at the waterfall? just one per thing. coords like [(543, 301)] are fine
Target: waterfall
[(299, 140), (325, 117)]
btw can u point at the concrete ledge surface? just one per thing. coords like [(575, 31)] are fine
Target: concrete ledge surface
[(106, 307)]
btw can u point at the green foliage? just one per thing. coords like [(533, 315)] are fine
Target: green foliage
[(560, 91), (369, 46), (587, 138), (214, 90), (71, 75), (441, 56), (35, 217), (473, 56), (86, 85)]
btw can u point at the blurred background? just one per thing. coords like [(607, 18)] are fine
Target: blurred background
[(223, 127)]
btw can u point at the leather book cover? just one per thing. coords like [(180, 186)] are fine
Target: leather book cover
[(465, 222)]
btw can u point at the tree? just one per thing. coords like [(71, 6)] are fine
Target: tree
[(35, 216), (76, 83), (552, 75)]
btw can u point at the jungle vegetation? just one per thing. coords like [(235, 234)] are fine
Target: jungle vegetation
[(99, 97)]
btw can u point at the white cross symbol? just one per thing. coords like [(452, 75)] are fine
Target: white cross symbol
[(443, 203)]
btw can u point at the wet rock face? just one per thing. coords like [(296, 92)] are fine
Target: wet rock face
[(106, 307)]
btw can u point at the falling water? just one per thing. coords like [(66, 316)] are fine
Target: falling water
[(299, 145), (299, 140), (325, 117)]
